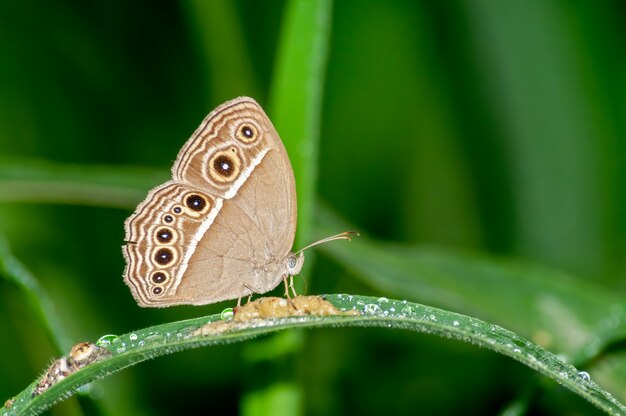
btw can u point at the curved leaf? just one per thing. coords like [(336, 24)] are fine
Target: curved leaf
[(559, 312), (130, 349)]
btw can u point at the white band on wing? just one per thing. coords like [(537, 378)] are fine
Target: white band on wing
[(208, 221)]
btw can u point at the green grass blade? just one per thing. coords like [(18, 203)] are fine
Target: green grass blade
[(546, 103), (564, 314), (295, 108), (296, 96), (106, 186), (141, 345), (43, 307), (218, 33)]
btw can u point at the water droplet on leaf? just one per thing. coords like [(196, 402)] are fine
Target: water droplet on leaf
[(371, 309), (227, 314), (106, 340)]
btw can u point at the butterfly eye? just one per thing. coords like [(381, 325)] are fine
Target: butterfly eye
[(291, 263), (157, 290), (247, 133)]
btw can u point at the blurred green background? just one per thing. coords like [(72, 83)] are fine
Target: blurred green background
[(485, 126)]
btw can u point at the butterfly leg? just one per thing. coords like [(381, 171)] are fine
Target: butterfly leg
[(286, 289), (287, 286), (251, 289), (293, 289)]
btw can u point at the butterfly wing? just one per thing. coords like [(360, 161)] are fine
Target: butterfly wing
[(223, 225)]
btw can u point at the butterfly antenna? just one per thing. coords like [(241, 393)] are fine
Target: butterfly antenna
[(346, 235)]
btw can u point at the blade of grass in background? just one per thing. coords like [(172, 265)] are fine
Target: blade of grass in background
[(295, 108), (222, 49), (296, 96), (441, 206), (41, 304), (561, 313), (39, 181), (544, 100)]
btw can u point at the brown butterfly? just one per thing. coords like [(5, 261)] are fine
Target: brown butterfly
[(224, 225)]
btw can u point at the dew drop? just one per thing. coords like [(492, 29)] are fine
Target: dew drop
[(455, 323), (121, 349), (433, 317), (407, 311), (584, 375), (153, 336), (371, 309), (141, 343), (227, 314), (84, 389), (106, 340), (383, 300), (132, 337)]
